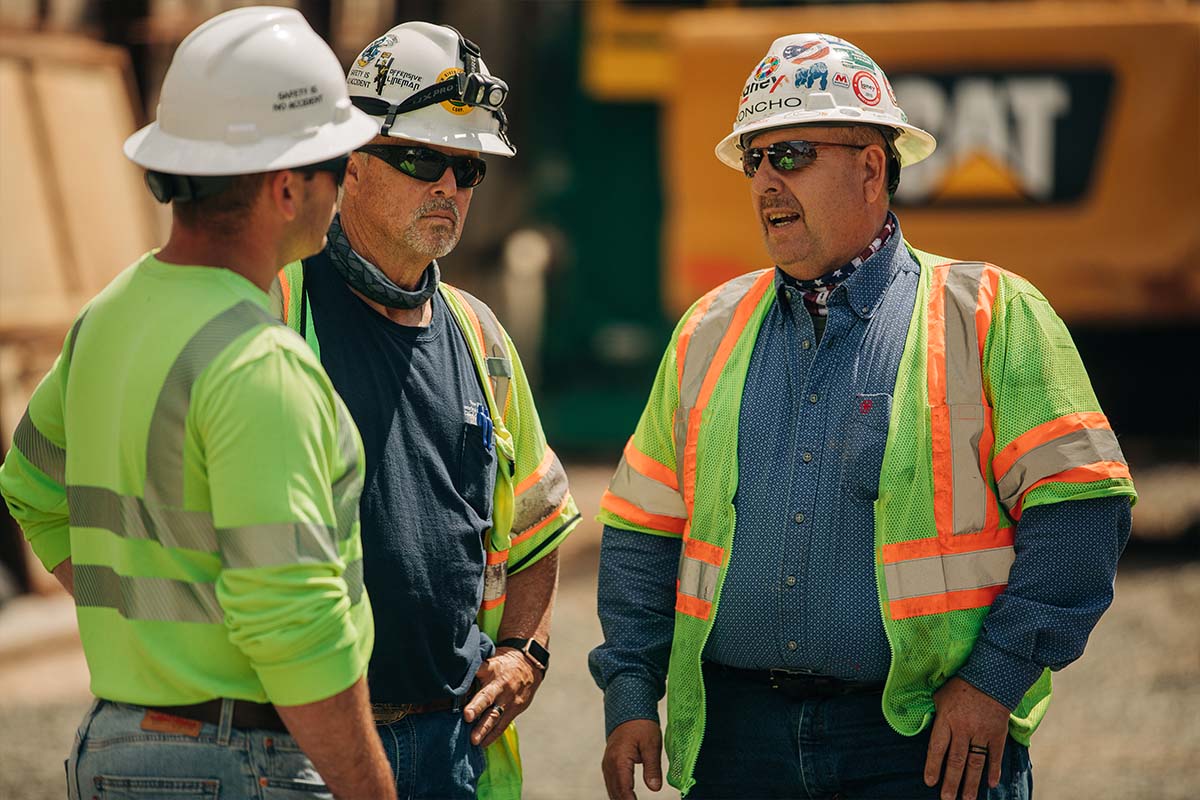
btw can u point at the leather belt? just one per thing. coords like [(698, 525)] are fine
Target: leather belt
[(386, 713), (246, 715), (796, 685)]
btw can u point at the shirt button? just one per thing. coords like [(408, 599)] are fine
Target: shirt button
[(813, 398), (792, 645), (791, 580), (799, 517), (866, 309), (806, 344), (807, 457)]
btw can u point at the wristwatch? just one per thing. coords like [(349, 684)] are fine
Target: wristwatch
[(533, 650)]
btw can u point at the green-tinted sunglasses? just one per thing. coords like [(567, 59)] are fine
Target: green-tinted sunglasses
[(427, 164)]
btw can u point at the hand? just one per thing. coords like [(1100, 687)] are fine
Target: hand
[(508, 682), (638, 741), (966, 718)]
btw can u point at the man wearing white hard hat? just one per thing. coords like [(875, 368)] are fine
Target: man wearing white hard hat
[(465, 504), (872, 501), (187, 470)]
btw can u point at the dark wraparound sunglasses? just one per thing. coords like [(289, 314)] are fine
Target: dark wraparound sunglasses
[(426, 164), (336, 166), (787, 156)]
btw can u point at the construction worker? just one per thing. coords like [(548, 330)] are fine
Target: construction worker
[(872, 501), (463, 583), (186, 469)]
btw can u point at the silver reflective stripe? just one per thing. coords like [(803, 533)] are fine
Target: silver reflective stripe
[(964, 397), (1075, 449), (495, 581), (920, 577), (494, 349), (270, 545), (133, 518), (347, 488), (698, 578), (646, 493), (353, 576), (40, 451), (144, 598), (701, 350), (168, 425), (540, 500)]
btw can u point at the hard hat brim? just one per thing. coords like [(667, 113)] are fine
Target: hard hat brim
[(913, 144), (476, 141), (154, 149)]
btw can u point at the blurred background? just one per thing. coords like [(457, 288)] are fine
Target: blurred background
[(1069, 152)]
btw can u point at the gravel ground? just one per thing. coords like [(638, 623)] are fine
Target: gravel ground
[(1125, 723)]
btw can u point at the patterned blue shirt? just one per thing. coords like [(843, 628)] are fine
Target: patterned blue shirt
[(799, 591)]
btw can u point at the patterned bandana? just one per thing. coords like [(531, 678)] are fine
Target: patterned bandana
[(370, 281), (816, 291)]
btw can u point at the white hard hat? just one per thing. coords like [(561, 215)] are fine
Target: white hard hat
[(818, 79), (428, 83), (250, 90)]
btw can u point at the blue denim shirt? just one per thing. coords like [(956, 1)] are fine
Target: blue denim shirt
[(800, 592)]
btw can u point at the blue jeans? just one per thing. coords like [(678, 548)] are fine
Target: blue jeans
[(760, 744), (432, 756), (114, 758)]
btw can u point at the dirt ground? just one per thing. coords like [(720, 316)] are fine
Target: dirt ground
[(1125, 722)]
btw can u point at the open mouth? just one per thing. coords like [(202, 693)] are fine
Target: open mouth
[(780, 219)]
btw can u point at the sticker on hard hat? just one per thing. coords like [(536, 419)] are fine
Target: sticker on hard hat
[(806, 51), (768, 105), (766, 68), (840, 79), (807, 76), (453, 106), (382, 67), (372, 50), (291, 99), (866, 88)]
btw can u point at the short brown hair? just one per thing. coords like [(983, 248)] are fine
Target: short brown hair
[(225, 211)]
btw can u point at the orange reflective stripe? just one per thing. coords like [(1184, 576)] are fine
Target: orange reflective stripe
[(537, 474), (649, 467), (703, 551), (689, 327), (986, 300), (939, 418), (542, 525), (942, 603), (470, 312), (627, 510), (1047, 431), (497, 556), (285, 287), (488, 605), (1101, 470), (734, 332), (692, 606), (934, 546)]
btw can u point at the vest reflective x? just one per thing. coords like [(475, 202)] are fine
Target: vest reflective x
[(532, 509), (992, 412)]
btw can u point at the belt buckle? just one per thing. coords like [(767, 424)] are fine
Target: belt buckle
[(386, 714)]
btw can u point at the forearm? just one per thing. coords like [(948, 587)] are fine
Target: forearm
[(338, 735), (636, 603), (1059, 585), (530, 604)]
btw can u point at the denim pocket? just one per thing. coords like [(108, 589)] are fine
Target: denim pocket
[(117, 787), (289, 773)]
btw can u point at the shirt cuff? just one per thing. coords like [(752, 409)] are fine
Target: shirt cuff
[(629, 697), (999, 674)]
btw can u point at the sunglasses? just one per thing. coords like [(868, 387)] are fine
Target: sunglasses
[(335, 166), (787, 156), (426, 164)]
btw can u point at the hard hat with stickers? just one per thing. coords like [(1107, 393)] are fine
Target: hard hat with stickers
[(428, 83), (818, 79), (251, 90)]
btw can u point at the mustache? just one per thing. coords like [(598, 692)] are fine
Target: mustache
[(439, 204), (779, 204)]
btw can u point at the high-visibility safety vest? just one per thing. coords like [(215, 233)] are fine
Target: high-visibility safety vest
[(992, 413), (532, 508), (190, 456)]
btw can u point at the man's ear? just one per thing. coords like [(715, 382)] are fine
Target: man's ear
[(283, 193), (875, 174), (355, 171)]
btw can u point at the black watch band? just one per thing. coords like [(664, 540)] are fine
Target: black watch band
[(532, 649)]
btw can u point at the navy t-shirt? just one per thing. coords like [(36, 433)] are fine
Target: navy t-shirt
[(418, 403)]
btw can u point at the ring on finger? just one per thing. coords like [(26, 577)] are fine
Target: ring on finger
[(977, 749), (499, 709)]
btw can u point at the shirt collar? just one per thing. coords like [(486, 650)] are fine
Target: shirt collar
[(864, 289)]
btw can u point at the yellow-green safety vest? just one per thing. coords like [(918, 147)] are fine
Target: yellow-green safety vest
[(992, 413)]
